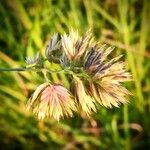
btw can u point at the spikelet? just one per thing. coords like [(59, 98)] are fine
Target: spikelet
[(51, 101), (85, 101), (75, 46), (106, 77)]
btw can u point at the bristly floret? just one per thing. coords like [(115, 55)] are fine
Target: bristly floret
[(94, 58), (106, 77), (85, 101), (75, 46), (33, 60), (52, 101)]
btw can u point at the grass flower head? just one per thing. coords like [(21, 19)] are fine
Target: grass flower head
[(52, 101), (96, 79)]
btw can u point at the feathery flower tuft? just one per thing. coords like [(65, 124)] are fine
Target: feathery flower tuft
[(34, 60), (85, 101), (52, 101), (73, 45), (106, 77), (96, 79), (53, 45)]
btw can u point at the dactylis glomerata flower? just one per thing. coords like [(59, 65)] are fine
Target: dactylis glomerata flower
[(94, 78), (51, 101), (34, 61)]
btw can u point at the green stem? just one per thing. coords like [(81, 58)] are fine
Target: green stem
[(56, 71), (45, 71), (45, 75), (126, 128), (14, 69), (31, 69)]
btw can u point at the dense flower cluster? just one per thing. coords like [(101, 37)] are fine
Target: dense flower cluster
[(51, 101), (95, 79)]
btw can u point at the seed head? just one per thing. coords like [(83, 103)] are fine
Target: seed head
[(73, 45), (34, 60), (96, 79), (53, 45), (106, 77), (52, 101), (85, 101)]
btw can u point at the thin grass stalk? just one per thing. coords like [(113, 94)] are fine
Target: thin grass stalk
[(123, 7), (89, 12), (143, 35)]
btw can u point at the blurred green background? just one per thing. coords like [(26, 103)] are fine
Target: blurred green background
[(25, 28)]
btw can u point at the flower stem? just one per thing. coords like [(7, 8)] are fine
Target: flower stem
[(14, 69), (45, 75)]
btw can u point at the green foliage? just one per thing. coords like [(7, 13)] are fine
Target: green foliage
[(25, 28)]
